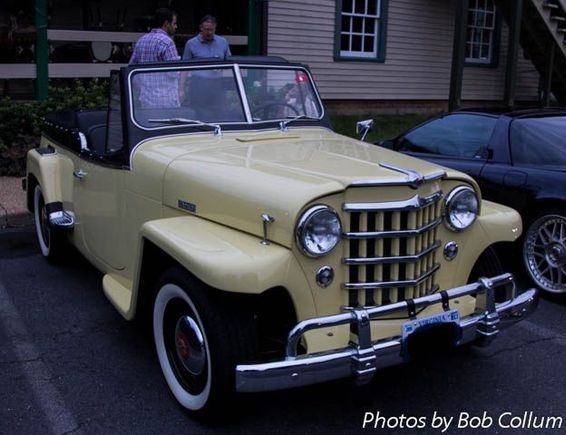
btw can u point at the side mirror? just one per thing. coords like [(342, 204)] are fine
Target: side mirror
[(484, 153), (364, 127)]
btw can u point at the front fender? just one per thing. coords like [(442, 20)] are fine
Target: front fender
[(230, 260), (500, 223)]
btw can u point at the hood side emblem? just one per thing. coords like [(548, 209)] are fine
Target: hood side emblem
[(186, 205)]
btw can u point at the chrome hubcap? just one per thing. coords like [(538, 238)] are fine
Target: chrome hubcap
[(189, 346), (545, 253)]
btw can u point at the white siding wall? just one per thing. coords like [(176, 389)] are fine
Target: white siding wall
[(417, 60), (484, 83)]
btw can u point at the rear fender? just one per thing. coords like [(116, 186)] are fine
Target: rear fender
[(50, 169)]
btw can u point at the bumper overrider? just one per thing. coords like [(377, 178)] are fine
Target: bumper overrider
[(363, 358)]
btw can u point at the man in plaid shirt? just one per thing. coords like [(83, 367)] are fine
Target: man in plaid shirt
[(158, 90)]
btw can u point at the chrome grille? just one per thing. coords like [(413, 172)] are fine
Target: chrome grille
[(392, 250)]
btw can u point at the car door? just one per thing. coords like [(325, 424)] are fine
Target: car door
[(98, 186), (458, 140)]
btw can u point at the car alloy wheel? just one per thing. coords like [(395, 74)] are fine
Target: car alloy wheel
[(544, 252)]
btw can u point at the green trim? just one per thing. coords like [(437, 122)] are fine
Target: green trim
[(382, 35), (41, 50), (253, 30)]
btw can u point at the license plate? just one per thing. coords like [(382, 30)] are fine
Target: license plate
[(411, 326)]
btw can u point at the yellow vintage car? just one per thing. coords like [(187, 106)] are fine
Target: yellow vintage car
[(265, 250)]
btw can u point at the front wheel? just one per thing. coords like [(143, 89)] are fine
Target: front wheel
[(544, 251), (489, 265), (200, 338)]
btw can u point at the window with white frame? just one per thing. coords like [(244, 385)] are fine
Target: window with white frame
[(480, 40), (361, 29)]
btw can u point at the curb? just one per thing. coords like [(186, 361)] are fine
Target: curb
[(14, 220)]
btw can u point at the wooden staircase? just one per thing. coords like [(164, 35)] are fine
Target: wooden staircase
[(542, 39)]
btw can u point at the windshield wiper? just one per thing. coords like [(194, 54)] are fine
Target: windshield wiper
[(283, 124), (185, 121)]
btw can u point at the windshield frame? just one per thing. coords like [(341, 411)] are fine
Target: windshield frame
[(236, 68)]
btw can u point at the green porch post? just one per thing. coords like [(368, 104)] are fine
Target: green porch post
[(253, 41), (41, 50), (457, 73)]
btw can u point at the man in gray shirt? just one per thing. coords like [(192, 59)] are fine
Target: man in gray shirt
[(207, 44)]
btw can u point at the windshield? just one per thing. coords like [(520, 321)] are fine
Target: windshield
[(211, 95)]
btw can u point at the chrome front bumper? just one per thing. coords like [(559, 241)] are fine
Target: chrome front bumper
[(363, 358)]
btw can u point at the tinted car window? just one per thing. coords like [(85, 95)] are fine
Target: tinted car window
[(461, 135), (539, 141)]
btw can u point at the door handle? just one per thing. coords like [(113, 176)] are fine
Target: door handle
[(80, 174)]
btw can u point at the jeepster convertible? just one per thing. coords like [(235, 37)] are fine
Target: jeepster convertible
[(263, 250)]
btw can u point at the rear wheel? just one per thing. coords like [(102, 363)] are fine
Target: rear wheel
[(52, 242), (544, 251), (200, 338)]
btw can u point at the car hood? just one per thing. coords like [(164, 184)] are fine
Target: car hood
[(236, 178)]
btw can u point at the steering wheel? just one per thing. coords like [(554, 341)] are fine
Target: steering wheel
[(266, 107)]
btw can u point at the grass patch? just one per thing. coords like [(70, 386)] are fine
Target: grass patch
[(385, 126)]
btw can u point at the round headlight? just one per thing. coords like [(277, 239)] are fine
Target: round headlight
[(462, 207), (319, 231)]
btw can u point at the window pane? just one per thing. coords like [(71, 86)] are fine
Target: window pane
[(368, 44), (370, 26), (279, 94), (453, 135), (539, 141), (360, 6), (347, 5), (356, 43), (345, 42), (372, 7), (346, 23), (358, 25), (490, 19)]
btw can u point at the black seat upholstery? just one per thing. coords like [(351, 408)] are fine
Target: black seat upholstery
[(85, 119), (96, 138)]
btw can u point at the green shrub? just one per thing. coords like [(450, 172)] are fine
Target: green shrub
[(20, 122)]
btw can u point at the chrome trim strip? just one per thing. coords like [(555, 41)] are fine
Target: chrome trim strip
[(393, 234), (227, 66), (414, 179), (432, 290), (415, 203), (243, 94), (391, 284), (363, 359), (358, 261)]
